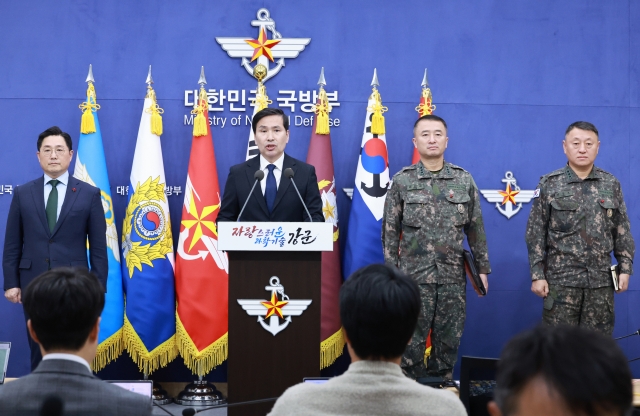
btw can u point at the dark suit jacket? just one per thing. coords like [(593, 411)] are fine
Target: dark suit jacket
[(287, 206), (30, 249), (81, 392)]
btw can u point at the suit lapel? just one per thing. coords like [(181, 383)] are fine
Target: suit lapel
[(284, 181), (69, 199), (37, 191), (253, 165)]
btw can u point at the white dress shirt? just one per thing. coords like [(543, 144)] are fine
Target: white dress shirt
[(277, 172), (62, 189), (68, 357)]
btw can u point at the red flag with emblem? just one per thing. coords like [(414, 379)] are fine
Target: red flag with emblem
[(201, 270), (320, 156)]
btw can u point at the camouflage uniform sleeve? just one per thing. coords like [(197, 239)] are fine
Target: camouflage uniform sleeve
[(536, 234), (476, 236), (392, 224), (623, 244)]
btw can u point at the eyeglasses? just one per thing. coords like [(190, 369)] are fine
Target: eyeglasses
[(59, 151)]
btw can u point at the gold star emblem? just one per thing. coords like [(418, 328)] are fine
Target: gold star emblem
[(274, 307), (327, 210), (199, 220), (262, 46), (509, 195)]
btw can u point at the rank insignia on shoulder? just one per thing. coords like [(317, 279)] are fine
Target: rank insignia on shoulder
[(536, 193)]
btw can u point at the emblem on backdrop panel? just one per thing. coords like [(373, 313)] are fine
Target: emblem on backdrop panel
[(262, 49), (279, 309), (508, 202)]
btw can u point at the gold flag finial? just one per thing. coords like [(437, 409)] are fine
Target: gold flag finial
[(377, 120)]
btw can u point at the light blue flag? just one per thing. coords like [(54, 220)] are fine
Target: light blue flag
[(91, 167), (364, 242)]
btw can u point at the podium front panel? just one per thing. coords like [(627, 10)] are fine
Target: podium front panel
[(262, 365)]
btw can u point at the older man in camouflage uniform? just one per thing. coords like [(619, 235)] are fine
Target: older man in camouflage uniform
[(577, 219), (429, 208)]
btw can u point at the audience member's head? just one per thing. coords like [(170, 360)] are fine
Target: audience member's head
[(563, 370), (64, 307), (379, 308)]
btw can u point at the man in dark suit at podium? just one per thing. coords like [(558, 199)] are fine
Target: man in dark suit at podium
[(275, 199), (49, 222)]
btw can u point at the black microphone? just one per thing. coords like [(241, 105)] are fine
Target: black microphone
[(190, 411), (52, 406), (259, 175), (288, 172), (627, 336)]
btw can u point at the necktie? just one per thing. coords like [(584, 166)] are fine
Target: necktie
[(271, 189), (52, 205)]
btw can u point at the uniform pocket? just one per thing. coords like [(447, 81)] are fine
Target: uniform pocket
[(458, 208), (24, 264), (415, 210), (564, 215)]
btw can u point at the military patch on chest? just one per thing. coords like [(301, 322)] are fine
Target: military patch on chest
[(563, 194), (456, 187), (605, 193)]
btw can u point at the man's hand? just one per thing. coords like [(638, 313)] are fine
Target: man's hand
[(485, 282), (540, 288), (623, 282), (14, 295)]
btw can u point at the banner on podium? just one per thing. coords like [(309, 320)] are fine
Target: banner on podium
[(275, 236)]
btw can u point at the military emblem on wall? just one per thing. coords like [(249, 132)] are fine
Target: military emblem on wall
[(262, 49), (278, 309), (508, 202)]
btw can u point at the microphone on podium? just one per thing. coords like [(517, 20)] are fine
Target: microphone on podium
[(288, 172), (52, 406), (259, 175)]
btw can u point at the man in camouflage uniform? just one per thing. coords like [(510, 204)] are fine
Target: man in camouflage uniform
[(577, 219), (428, 209)]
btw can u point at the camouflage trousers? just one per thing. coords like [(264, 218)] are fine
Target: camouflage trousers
[(589, 308), (443, 310)]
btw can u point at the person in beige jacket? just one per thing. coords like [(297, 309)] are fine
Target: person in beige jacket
[(379, 308)]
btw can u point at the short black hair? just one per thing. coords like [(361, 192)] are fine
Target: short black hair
[(587, 369), (54, 131), (265, 112), (379, 308), (430, 117), (582, 125), (63, 305)]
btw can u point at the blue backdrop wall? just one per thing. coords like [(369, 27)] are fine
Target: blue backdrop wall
[(507, 76)]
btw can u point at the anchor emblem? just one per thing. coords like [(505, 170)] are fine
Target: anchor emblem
[(262, 49), (278, 308), (512, 197)]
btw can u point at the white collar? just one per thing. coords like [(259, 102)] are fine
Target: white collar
[(64, 178), (264, 162), (68, 357)]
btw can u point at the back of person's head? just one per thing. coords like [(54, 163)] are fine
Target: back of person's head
[(379, 308), (63, 305), (583, 371)]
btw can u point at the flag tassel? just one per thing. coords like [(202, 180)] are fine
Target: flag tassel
[(88, 123), (377, 119), (148, 361), (199, 121), (108, 350), (331, 348), (322, 110)]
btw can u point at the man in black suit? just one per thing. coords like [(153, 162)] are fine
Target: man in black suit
[(50, 220), (65, 306), (276, 199)]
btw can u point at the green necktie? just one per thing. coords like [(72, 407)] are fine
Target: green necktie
[(52, 205)]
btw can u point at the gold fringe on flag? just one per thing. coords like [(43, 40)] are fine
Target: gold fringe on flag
[(108, 350), (427, 107), (148, 361), (201, 362), (322, 110), (377, 121), (155, 110), (200, 122), (331, 348), (261, 101), (87, 123)]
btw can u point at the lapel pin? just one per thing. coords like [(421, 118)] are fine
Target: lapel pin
[(73, 189)]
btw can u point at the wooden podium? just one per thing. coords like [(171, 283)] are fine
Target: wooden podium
[(274, 307)]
